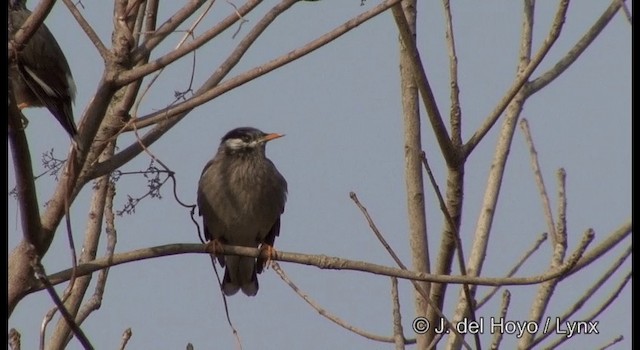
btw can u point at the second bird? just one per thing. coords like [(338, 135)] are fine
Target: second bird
[(41, 76), (241, 196)]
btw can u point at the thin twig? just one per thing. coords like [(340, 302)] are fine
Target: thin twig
[(455, 110), (398, 333), (456, 236), (88, 30), (537, 174), (522, 77), (395, 257), (234, 331), (95, 301), (126, 335), (77, 332), (626, 10), (572, 55), (597, 311), (331, 317), (545, 291), (240, 17), (497, 336), (514, 269), (561, 229), (211, 92), (428, 99), (588, 294), (613, 342)]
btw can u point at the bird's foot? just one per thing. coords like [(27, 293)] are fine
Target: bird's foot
[(25, 121), (267, 253), (215, 247)]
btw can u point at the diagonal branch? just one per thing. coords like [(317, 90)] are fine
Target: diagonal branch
[(331, 317), (521, 79), (429, 101), (577, 305), (153, 39), (30, 26), (178, 111), (161, 62), (88, 30), (537, 174), (575, 52)]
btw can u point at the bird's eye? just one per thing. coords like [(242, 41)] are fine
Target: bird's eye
[(246, 139)]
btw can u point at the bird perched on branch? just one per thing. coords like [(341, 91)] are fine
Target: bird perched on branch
[(40, 75), (241, 196)]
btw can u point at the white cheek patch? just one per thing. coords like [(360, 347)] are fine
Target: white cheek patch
[(235, 144)]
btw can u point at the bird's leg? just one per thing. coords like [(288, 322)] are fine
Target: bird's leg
[(267, 253)]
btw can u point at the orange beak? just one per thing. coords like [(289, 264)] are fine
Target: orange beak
[(272, 136)]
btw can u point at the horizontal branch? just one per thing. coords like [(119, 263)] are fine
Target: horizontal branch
[(321, 261)]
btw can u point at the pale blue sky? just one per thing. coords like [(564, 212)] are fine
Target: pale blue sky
[(341, 111)]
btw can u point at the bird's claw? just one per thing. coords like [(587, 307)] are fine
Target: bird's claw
[(214, 247), (267, 253)]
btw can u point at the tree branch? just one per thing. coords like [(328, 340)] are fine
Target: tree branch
[(521, 79), (575, 52), (178, 111), (321, 261)]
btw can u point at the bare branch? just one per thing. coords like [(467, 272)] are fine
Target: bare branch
[(605, 246), (575, 52), (625, 8), (320, 261), (613, 342), (20, 275), (545, 291), (176, 111), (77, 290), (418, 287), (521, 78), (77, 332), (561, 230), (537, 174), (153, 39), (497, 336), (88, 29), (586, 295), (521, 261), (561, 339), (398, 333), (331, 317), (30, 26), (126, 335), (455, 111), (95, 301), (429, 101)]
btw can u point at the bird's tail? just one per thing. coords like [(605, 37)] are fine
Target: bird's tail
[(240, 274)]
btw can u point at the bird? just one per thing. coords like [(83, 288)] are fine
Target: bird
[(241, 196), (40, 75)]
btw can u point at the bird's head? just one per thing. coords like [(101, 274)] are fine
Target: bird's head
[(246, 140)]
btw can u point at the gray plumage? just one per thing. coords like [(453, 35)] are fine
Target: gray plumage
[(40, 75), (241, 196)]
